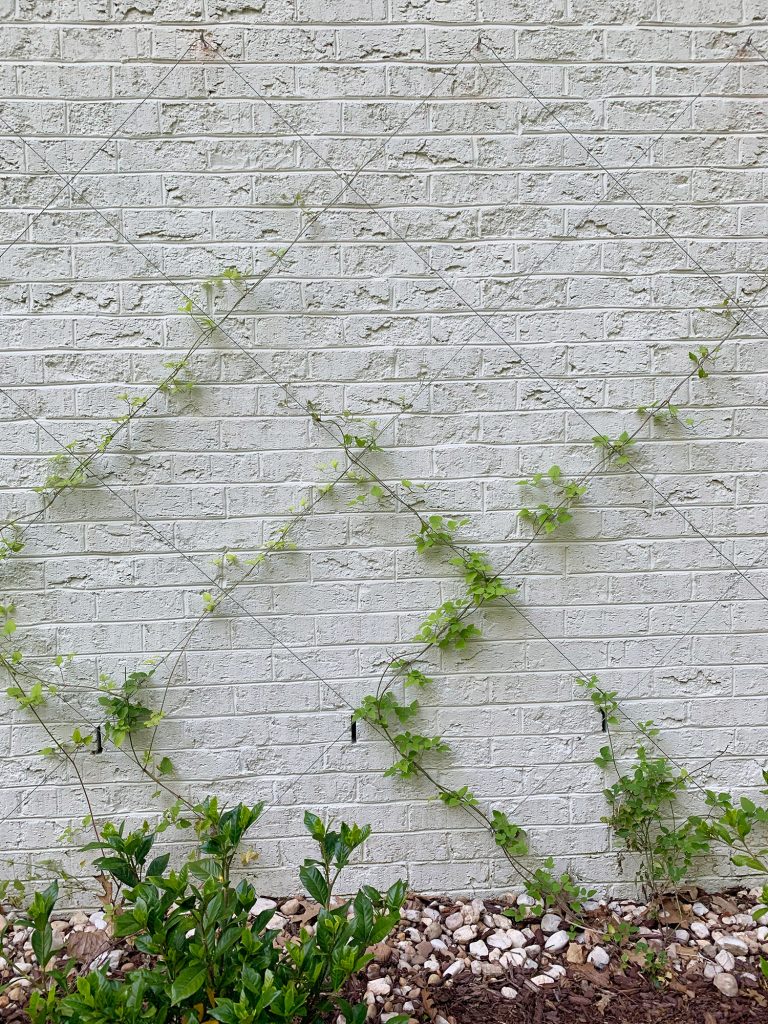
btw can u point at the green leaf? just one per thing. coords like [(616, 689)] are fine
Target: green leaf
[(313, 881), (119, 869), (190, 981), (158, 865)]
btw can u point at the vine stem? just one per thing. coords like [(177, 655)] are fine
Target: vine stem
[(65, 753)]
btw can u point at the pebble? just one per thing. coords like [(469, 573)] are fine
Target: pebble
[(727, 984), (507, 992), (379, 986), (556, 942), (699, 910), (733, 944), (261, 905), (700, 930), (550, 923), (499, 940), (465, 934), (599, 958), (517, 938), (454, 921), (478, 949), (291, 907), (382, 953), (726, 960), (542, 979)]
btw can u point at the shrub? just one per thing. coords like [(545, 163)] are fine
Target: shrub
[(209, 959)]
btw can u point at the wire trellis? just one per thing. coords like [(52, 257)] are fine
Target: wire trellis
[(352, 183)]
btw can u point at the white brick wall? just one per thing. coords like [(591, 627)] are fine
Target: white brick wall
[(498, 198)]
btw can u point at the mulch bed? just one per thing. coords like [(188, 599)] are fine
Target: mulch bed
[(470, 1001)]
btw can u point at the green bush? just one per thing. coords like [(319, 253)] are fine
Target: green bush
[(209, 959)]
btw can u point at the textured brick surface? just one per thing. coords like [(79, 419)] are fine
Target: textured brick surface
[(591, 197)]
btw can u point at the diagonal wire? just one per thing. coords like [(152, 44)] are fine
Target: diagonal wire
[(346, 185), (540, 262), (276, 263), (68, 181), (174, 547), (544, 380), (522, 360), (617, 181), (210, 331), (309, 221), (26, 795), (504, 340)]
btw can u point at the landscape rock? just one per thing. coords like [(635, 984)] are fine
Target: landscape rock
[(499, 940), (550, 923), (726, 960), (733, 944), (599, 958), (556, 942), (454, 921), (727, 984), (379, 986)]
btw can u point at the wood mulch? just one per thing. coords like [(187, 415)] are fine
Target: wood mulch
[(578, 1001)]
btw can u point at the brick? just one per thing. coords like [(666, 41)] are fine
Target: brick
[(586, 200)]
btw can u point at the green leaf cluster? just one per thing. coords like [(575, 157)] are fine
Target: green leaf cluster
[(618, 449), (209, 957), (445, 627)]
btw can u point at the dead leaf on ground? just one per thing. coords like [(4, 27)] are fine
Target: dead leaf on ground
[(311, 910), (724, 906), (575, 953), (426, 1002), (601, 1004), (86, 946), (675, 912), (591, 974), (688, 952)]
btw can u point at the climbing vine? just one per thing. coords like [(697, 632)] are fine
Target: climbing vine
[(637, 801)]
